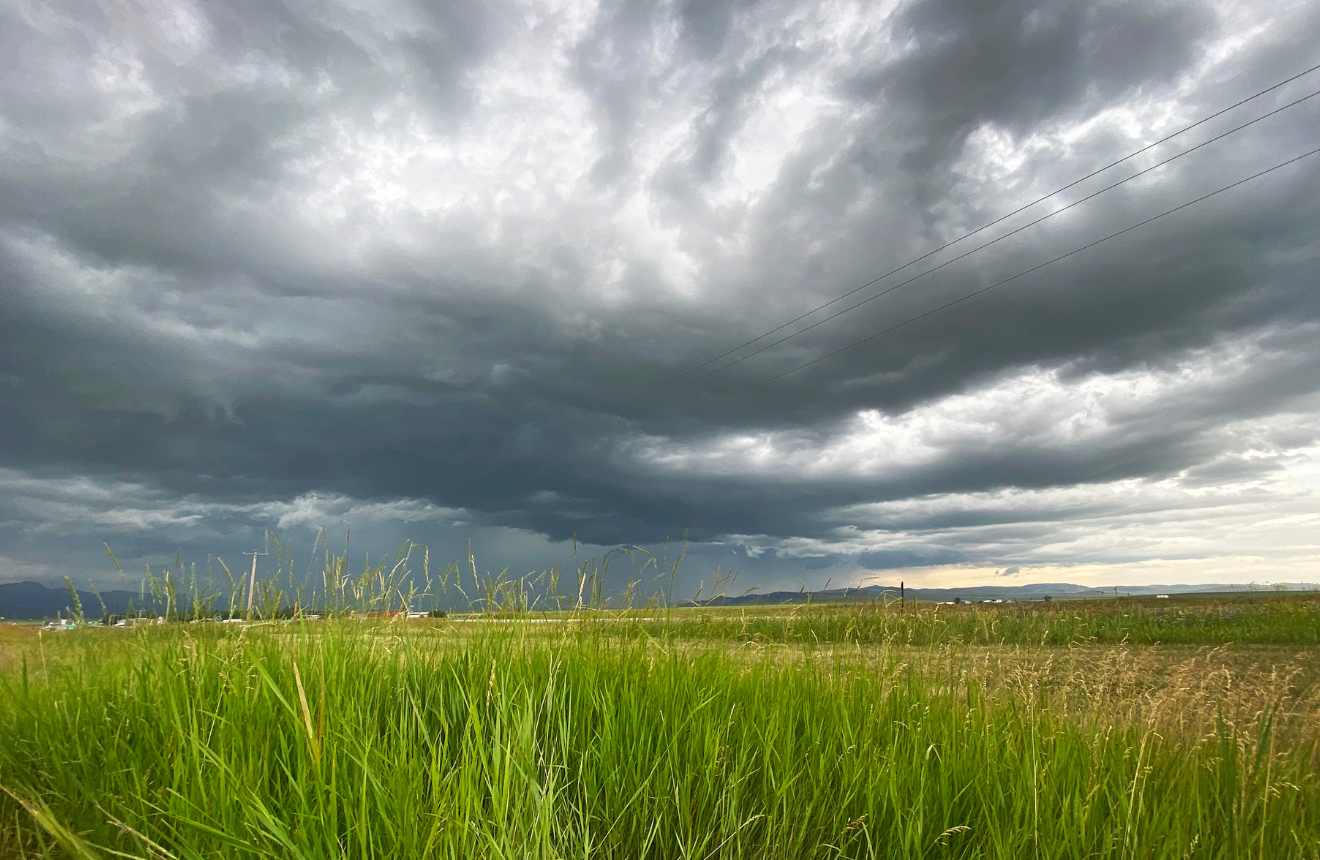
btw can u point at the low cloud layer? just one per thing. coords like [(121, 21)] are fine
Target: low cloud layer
[(413, 270)]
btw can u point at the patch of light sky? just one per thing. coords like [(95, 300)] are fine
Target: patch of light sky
[(1243, 569), (1125, 531)]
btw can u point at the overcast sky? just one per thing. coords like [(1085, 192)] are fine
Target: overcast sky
[(406, 268)]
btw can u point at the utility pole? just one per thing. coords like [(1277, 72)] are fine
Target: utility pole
[(902, 596), (252, 581)]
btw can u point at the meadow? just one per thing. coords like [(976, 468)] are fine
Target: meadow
[(1050, 731), (1259, 619)]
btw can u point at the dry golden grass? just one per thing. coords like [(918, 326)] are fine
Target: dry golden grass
[(15, 639), (1177, 691)]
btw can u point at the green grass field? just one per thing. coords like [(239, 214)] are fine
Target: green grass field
[(819, 732)]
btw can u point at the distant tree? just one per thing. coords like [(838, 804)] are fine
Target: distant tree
[(957, 600), (1047, 598)]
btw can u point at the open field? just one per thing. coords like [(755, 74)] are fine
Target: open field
[(1256, 619), (1035, 731)]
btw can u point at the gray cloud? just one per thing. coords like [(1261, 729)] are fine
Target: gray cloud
[(252, 255), (894, 559), (1020, 64)]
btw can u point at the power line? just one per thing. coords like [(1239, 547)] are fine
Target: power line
[(1026, 272), (997, 239), (962, 299), (640, 396), (980, 229)]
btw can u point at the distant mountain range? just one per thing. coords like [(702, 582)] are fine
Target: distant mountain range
[(1038, 591), (32, 600)]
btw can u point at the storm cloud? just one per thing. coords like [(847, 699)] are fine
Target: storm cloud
[(430, 270)]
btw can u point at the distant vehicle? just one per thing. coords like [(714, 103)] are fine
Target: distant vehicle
[(60, 624)]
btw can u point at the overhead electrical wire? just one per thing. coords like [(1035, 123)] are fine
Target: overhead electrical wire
[(959, 300), (981, 229), (996, 240), (645, 394), (1026, 272)]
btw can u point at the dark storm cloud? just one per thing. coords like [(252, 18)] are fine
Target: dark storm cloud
[(250, 254), (1018, 64)]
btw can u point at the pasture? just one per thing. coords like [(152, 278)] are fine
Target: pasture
[(1120, 729)]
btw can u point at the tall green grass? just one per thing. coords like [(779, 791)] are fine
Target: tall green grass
[(327, 584), (348, 740)]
